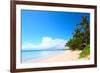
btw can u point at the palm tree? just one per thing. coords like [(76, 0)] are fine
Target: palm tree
[(81, 35), (85, 28)]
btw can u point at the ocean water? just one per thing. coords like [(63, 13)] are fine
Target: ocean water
[(37, 54)]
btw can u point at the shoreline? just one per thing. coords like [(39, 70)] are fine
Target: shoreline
[(68, 55)]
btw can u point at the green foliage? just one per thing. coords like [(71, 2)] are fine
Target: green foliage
[(81, 36), (74, 43), (85, 52)]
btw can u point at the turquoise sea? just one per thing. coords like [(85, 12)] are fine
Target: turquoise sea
[(36, 54)]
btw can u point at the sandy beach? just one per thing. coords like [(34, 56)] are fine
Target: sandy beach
[(68, 55)]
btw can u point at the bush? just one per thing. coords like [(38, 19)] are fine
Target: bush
[(85, 52)]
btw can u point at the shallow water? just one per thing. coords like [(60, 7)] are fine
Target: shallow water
[(37, 54)]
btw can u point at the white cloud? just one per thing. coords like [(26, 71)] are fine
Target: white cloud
[(46, 43)]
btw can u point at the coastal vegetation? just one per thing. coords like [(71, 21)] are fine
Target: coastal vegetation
[(81, 38), (85, 52)]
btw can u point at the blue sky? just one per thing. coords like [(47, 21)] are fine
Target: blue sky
[(38, 24)]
